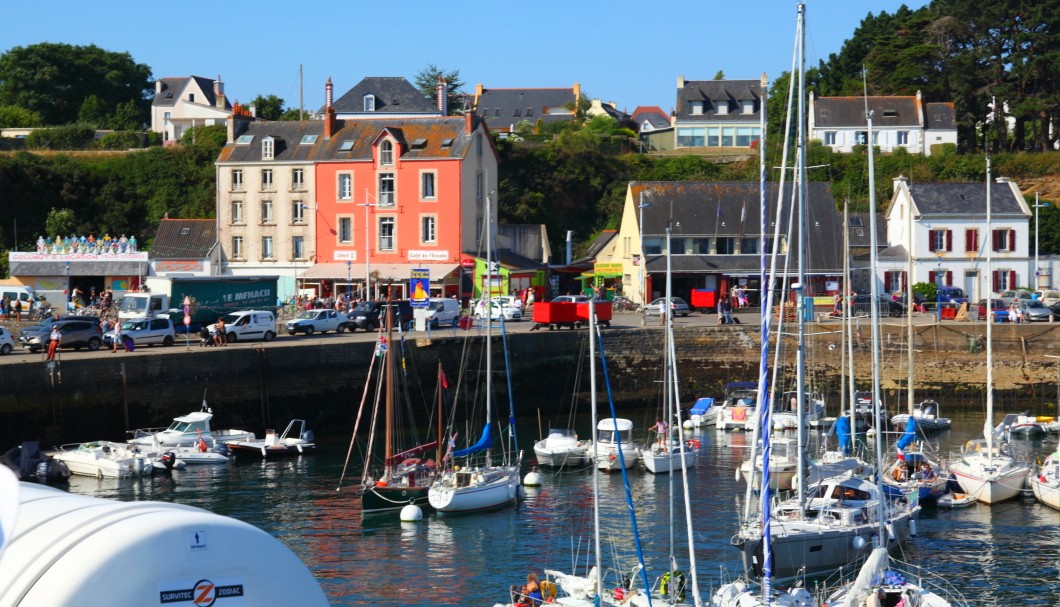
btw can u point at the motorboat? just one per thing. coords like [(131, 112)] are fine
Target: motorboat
[(188, 429), (955, 500), (295, 440), (561, 448), (785, 416), (737, 411), (104, 459), (30, 464), (702, 414), (1045, 481), (927, 418), (614, 445), (204, 451), (1024, 426), (783, 463)]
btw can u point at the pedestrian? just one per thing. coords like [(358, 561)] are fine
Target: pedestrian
[(54, 340), (17, 307), (726, 308), (721, 312), (117, 338), (220, 338)]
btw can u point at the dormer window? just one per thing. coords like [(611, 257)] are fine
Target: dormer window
[(722, 108), (697, 108), (268, 148), (369, 103), (386, 152), (747, 106)]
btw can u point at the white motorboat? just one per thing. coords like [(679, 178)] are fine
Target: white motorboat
[(783, 463), (104, 459), (737, 411), (295, 440), (785, 416), (955, 500), (562, 449), (188, 429), (614, 445), (927, 418), (201, 452), (1045, 481), (702, 414), (1024, 426)]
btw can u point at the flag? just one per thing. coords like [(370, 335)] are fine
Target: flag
[(901, 456), (443, 379), (450, 448)]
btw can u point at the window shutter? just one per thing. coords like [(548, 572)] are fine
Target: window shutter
[(994, 278), (949, 277), (1012, 240), (886, 281), (931, 276), (949, 240), (975, 240), (904, 283), (993, 243), (967, 240), (1012, 279), (931, 240)]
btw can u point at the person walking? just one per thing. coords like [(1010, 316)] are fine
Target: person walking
[(726, 308), (54, 341), (117, 339), (220, 337)]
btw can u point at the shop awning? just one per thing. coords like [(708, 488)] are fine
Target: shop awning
[(398, 271)]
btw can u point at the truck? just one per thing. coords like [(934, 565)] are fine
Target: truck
[(208, 297)]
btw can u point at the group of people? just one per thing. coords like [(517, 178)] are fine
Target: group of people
[(91, 245), (13, 309)]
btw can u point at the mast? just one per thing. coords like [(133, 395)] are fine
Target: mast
[(801, 290), (489, 317), (389, 382), (988, 427), (668, 385), (596, 470), (441, 375), (844, 288), (874, 311), (909, 307)]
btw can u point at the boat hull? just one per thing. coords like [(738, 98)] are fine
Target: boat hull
[(265, 451), (475, 490), (663, 461), (608, 460), (976, 478), (388, 498)]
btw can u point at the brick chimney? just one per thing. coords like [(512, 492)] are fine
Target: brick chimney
[(329, 111), (441, 96), (158, 86), (577, 94), (219, 92), (680, 82), (469, 122)]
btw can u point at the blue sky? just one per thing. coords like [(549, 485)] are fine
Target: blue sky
[(627, 52)]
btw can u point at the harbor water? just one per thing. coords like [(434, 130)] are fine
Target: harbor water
[(1008, 554)]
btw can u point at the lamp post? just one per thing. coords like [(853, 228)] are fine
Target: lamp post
[(938, 289), (348, 265), (367, 250), (1037, 270), (643, 258), (68, 284)]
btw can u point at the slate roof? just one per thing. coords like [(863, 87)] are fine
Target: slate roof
[(715, 209), (173, 87), (846, 112), (501, 108), (514, 261), (393, 95), (934, 199), (184, 239), (940, 116), (713, 92), (362, 132), (598, 244), (657, 118)]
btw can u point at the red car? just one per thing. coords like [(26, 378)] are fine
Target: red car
[(997, 305)]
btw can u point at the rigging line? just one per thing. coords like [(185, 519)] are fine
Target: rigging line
[(357, 423)]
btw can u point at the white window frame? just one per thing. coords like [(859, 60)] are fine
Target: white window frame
[(428, 229), (237, 180), (344, 229), (267, 182), (902, 138), (387, 233), (696, 108), (297, 247), (1002, 279), (298, 211), (369, 103), (386, 197), (268, 251), (429, 181), (237, 247), (829, 137), (298, 179), (238, 214), (386, 152), (268, 148), (267, 211), (344, 190), (478, 186)]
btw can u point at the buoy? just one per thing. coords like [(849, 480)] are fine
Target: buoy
[(912, 527), (689, 425), (411, 514), (532, 479), (859, 542)]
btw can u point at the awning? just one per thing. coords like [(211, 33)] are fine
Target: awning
[(398, 271)]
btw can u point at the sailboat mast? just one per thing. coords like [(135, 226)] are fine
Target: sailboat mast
[(389, 449), (668, 385), (844, 288), (488, 294), (802, 290), (874, 309), (988, 427), (910, 353), (441, 374), (596, 469)]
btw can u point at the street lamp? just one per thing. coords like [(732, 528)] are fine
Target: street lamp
[(1037, 270), (67, 285), (938, 289), (367, 252), (348, 265), (643, 258)]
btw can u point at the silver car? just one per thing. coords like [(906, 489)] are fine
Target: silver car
[(145, 331), (1034, 310), (678, 307)]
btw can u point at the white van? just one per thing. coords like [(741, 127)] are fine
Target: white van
[(27, 295), (250, 324), (443, 312)]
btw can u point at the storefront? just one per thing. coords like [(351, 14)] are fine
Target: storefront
[(54, 275)]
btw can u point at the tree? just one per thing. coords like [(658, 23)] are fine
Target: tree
[(54, 80), (427, 83), (60, 222), (268, 107), (92, 112), (720, 75), (12, 116)]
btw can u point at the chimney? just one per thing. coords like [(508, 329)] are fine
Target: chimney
[(469, 122), (478, 91), (219, 92), (441, 94), (158, 86), (577, 95), (900, 181), (680, 82), (253, 110), (329, 111), (230, 124)]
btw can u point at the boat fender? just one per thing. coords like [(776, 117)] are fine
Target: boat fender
[(912, 527), (548, 590), (380, 483), (737, 474), (611, 457)]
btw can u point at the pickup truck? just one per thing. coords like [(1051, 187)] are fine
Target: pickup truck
[(318, 321)]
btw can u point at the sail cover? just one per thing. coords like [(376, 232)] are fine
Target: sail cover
[(910, 434), (842, 432), (485, 442)]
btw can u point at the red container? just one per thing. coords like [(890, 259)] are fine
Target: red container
[(466, 322), (603, 311), (553, 313), (703, 299)]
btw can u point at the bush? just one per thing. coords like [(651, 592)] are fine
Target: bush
[(69, 137), (944, 149), (122, 140)]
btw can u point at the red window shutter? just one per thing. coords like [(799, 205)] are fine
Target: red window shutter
[(975, 240), (904, 287), (949, 240), (949, 277), (1012, 240), (994, 278), (931, 240), (931, 276), (968, 240), (1012, 279), (887, 281)]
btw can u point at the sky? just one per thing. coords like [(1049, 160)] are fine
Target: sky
[(622, 51)]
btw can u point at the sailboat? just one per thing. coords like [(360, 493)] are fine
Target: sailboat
[(827, 525), (668, 452), (406, 476), (479, 485), (986, 468), (1045, 480)]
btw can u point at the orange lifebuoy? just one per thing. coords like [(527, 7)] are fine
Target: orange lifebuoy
[(693, 444), (611, 457), (380, 483)]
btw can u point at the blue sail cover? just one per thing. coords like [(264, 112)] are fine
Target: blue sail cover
[(485, 442), (910, 434), (842, 432), (701, 406)]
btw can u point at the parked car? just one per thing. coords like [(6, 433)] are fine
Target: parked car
[(317, 321), (678, 307), (997, 305), (145, 331), (497, 308), (247, 325), (951, 295), (81, 333), (1048, 297), (570, 299), (1034, 310), (43, 327), (443, 312), (7, 342), (886, 306), (367, 314), (1014, 295)]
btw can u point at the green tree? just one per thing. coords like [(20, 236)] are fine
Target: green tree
[(127, 117), (55, 79), (268, 107), (60, 222), (294, 114), (211, 137), (427, 83), (69, 137), (720, 75), (92, 112), (12, 116)]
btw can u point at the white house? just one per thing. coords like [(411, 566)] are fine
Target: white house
[(181, 103), (944, 226), (897, 122)]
